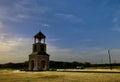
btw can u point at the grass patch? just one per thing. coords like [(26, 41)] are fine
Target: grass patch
[(18, 76)]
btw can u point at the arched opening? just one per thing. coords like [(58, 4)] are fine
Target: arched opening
[(42, 48), (43, 65), (34, 48), (32, 65)]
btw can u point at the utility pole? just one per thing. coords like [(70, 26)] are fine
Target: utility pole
[(110, 59)]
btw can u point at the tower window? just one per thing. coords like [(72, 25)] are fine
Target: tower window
[(42, 48), (35, 48)]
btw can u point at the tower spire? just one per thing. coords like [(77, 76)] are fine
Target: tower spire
[(39, 36)]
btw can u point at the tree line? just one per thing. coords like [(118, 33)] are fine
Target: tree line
[(56, 65), (52, 64)]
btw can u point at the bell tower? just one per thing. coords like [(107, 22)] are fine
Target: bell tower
[(39, 59)]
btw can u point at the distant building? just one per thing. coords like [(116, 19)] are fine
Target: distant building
[(39, 59)]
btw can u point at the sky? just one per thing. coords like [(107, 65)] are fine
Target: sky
[(76, 30)]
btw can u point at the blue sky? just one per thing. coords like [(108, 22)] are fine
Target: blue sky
[(76, 30)]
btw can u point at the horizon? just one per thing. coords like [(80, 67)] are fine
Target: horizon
[(80, 31)]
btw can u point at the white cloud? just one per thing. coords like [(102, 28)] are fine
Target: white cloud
[(14, 49), (3, 12), (117, 29), (100, 55), (69, 17), (53, 39), (89, 54), (1, 25), (17, 49), (60, 54), (45, 25), (23, 16), (65, 15), (85, 40), (116, 21), (30, 6)]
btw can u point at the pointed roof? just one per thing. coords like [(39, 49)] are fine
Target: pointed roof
[(39, 35)]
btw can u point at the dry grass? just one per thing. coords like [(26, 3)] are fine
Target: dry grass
[(16, 76)]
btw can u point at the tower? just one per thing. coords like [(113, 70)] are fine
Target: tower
[(39, 59)]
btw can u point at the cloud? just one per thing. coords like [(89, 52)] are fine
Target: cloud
[(85, 40), (30, 6), (60, 54), (116, 21), (117, 29), (83, 54), (98, 55), (116, 26), (1, 25), (65, 15), (69, 17), (3, 11), (90, 54), (20, 10), (14, 48), (53, 39), (45, 25)]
